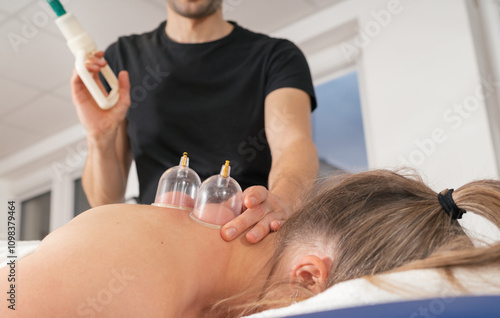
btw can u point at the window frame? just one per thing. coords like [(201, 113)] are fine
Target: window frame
[(32, 193)]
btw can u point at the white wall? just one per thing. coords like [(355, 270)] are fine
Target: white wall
[(485, 23), (423, 97), (423, 102)]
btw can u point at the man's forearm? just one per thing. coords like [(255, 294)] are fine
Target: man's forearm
[(295, 168), (103, 180)]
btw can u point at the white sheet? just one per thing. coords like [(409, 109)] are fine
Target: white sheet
[(408, 285), (23, 248)]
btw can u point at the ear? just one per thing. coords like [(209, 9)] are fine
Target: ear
[(311, 271)]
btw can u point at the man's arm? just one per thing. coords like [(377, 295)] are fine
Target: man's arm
[(288, 128), (294, 165), (105, 174), (109, 156)]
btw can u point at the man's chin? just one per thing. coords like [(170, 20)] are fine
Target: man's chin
[(195, 9)]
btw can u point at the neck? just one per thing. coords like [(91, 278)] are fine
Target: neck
[(245, 267), (249, 263), (186, 30)]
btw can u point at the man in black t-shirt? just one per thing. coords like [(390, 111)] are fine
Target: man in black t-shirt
[(203, 85)]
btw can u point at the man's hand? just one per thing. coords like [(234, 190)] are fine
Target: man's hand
[(109, 156), (96, 121), (260, 208)]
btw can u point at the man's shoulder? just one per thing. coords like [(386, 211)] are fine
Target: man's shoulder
[(138, 40), (255, 35), (264, 40)]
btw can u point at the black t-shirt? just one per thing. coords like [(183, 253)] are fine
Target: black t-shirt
[(206, 99)]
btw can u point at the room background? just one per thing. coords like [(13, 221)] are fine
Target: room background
[(401, 83)]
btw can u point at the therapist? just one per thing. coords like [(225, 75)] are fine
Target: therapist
[(211, 88)]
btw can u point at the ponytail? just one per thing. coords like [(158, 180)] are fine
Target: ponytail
[(483, 199)]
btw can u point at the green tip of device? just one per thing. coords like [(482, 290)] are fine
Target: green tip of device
[(57, 7)]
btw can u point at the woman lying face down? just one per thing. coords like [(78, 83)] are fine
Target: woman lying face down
[(134, 261), (145, 261)]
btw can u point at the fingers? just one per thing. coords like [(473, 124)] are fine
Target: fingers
[(124, 86), (275, 225), (261, 229), (79, 92), (245, 220), (99, 54), (254, 196), (273, 213), (94, 64)]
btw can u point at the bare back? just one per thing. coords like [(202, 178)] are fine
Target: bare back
[(121, 261)]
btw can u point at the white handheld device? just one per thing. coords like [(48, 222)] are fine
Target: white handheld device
[(83, 47)]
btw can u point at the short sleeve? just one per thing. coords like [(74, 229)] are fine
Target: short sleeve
[(288, 68)]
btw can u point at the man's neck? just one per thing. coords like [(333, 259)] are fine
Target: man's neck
[(185, 30)]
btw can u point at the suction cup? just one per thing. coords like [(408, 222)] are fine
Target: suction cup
[(178, 187), (219, 200)]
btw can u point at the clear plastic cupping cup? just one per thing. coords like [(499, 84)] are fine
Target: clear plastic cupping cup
[(178, 187), (219, 200)]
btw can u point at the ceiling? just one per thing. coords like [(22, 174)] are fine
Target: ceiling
[(36, 64)]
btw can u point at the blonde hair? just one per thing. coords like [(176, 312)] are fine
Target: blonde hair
[(381, 221)]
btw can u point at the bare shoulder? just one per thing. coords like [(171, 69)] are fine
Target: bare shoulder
[(107, 259)]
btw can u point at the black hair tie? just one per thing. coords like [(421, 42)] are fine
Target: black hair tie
[(449, 205)]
